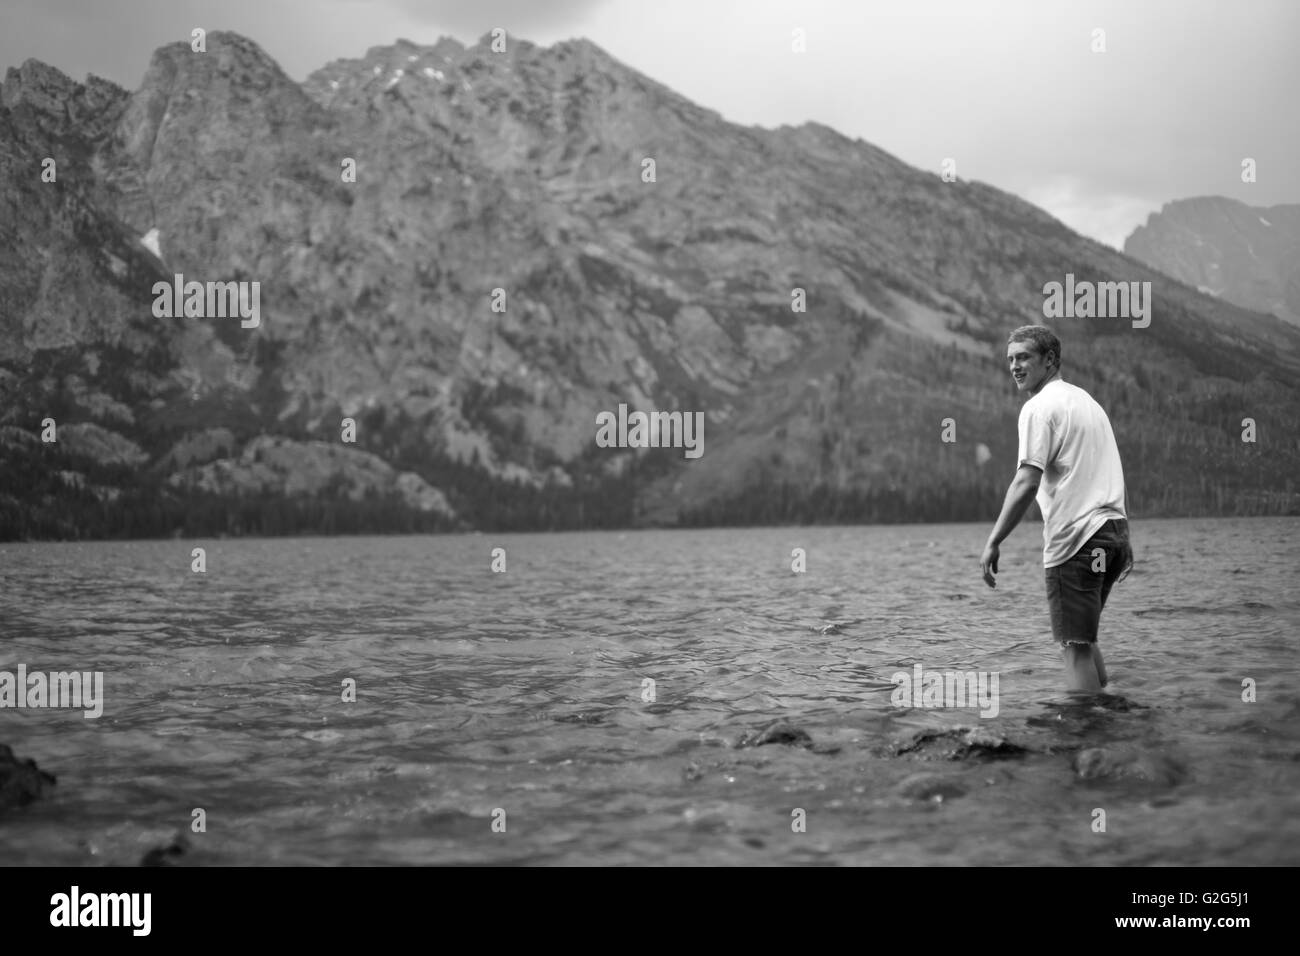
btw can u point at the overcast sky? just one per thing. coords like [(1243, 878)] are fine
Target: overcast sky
[(1011, 90)]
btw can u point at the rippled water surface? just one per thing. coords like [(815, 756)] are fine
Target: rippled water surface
[(524, 692)]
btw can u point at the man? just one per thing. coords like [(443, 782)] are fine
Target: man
[(1069, 461)]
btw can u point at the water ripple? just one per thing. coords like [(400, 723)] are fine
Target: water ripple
[(597, 691)]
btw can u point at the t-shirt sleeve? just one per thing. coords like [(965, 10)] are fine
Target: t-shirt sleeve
[(1035, 437)]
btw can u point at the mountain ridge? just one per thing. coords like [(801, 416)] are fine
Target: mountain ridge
[(1214, 244), (524, 172)]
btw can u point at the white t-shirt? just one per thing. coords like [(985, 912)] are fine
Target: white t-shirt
[(1066, 433)]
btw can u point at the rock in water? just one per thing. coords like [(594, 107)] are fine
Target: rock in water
[(21, 781), (173, 854), (1128, 763), (959, 743), (777, 732), (930, 786)]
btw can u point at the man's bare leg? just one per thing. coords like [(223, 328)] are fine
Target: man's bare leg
[(1101, 665), (1081, 668)]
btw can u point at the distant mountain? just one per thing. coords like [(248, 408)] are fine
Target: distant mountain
[(527, 171), (1246, 255)]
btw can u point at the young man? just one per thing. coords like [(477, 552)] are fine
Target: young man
[(1069, 461)]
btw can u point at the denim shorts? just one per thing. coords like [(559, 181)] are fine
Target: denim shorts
[(1076, 592)]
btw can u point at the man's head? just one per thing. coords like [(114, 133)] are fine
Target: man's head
[(1034, 357)]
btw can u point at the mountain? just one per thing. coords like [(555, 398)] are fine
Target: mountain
[(521, 180), (1247, 255)]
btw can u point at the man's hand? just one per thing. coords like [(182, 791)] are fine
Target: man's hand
[(989, 563), (1020, 493)]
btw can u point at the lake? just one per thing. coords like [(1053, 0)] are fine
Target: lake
[(584, 705)]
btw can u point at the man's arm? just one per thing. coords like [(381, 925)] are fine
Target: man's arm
[(1022, 491)]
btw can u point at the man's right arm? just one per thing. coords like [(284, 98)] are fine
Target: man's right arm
[(1023, 489)]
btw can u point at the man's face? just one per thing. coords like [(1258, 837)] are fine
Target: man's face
[(1028, 368)]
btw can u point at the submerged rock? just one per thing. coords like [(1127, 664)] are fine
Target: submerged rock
[(929, 786), (174, 853), (777, 732), (959, 743), (1128, 763), (21, 781)]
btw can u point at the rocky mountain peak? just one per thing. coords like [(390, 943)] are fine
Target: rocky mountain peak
[(59, 104), (1248, 255), (38, 85), (820, 304), (232, 90)]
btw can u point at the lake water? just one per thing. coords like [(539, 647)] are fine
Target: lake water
[(526, 692)]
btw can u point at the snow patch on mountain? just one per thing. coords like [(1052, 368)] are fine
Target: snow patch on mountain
[(150, 241)]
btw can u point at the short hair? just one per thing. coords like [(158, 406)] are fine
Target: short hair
[(1042, 338)]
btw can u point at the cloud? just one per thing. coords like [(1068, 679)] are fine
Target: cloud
[(1090, 210), (470, 19)]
